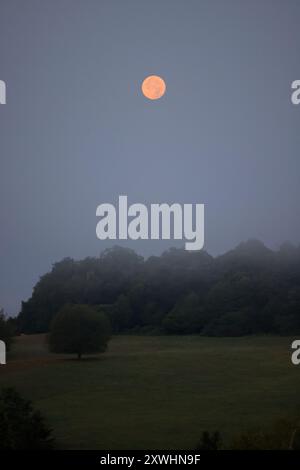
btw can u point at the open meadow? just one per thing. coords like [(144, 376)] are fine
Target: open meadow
[(157, 392)]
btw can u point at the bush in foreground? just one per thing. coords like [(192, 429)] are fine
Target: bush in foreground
[(79, 329), (21, 427), (209, 441)]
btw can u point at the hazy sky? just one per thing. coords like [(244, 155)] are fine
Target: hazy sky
[(76, 131)]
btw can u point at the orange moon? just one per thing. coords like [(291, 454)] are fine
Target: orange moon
[(153, 87)]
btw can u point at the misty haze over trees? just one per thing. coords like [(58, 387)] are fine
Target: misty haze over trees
[(248, 290)]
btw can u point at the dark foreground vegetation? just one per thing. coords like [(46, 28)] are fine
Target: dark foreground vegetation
[(249, 290), (21, 426)]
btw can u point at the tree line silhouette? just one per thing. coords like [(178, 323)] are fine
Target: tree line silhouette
[(248, 290)]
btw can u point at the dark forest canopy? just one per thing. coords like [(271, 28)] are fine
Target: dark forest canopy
[(248, 290)]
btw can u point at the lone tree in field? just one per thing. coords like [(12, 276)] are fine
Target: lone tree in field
[(79, 329)]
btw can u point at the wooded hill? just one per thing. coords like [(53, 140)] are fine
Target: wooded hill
[(248, 290)]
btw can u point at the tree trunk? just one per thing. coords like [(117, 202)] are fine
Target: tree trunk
[(79, 356)]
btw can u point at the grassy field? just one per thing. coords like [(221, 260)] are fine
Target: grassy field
[(157, 392)]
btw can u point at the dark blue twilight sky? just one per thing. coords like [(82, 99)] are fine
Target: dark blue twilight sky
[(76, 130)]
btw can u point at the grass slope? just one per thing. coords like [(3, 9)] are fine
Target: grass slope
[(157, 392)]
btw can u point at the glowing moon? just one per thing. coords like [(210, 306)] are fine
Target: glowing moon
[(153, 87)]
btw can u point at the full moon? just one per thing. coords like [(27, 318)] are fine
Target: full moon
[(153, 87)]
